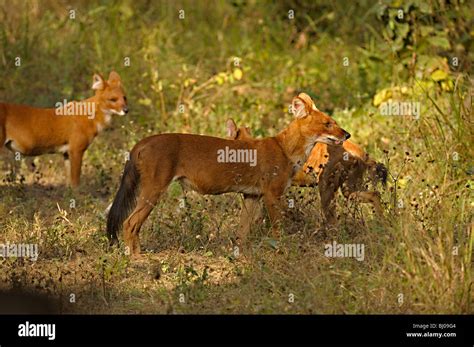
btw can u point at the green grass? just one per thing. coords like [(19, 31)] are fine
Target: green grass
[(418, 262)]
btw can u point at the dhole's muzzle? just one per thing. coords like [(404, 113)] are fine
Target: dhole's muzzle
[(333, 140)]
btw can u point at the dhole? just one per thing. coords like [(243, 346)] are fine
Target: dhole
[(193, 160), (329, 167), (33, 131)]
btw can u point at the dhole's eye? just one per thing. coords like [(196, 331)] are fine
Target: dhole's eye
[(113, 99), (328, 125)]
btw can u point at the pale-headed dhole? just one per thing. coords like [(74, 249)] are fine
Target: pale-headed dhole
[(34, 131), (193, 161), (330, 168)]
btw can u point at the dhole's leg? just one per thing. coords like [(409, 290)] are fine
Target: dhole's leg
[(152, 184), (67, 167), (3, 126), (3, 136), (273, 205), (76, 161), (251, 212), (131, 226)]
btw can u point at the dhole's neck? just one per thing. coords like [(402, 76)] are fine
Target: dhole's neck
[(101, 119), (294, 144)]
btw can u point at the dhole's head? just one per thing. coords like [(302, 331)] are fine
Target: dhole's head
[(314, 124), (110, 94), (234, 133)]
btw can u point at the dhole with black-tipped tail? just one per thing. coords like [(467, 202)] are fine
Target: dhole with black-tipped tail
[(193, 161)]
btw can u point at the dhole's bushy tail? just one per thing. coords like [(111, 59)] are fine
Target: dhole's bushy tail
[(125, 200), (378, 172)]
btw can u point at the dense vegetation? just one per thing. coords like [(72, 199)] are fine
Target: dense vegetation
[(187, 66)]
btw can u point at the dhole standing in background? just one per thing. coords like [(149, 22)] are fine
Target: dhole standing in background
[(193, 160), (68, 129)]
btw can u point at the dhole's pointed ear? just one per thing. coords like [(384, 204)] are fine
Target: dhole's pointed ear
[(231, 129), (114, 78), (98, 82), (308, 101), (298, 108)]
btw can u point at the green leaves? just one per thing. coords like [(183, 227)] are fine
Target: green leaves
[(440, 41)]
